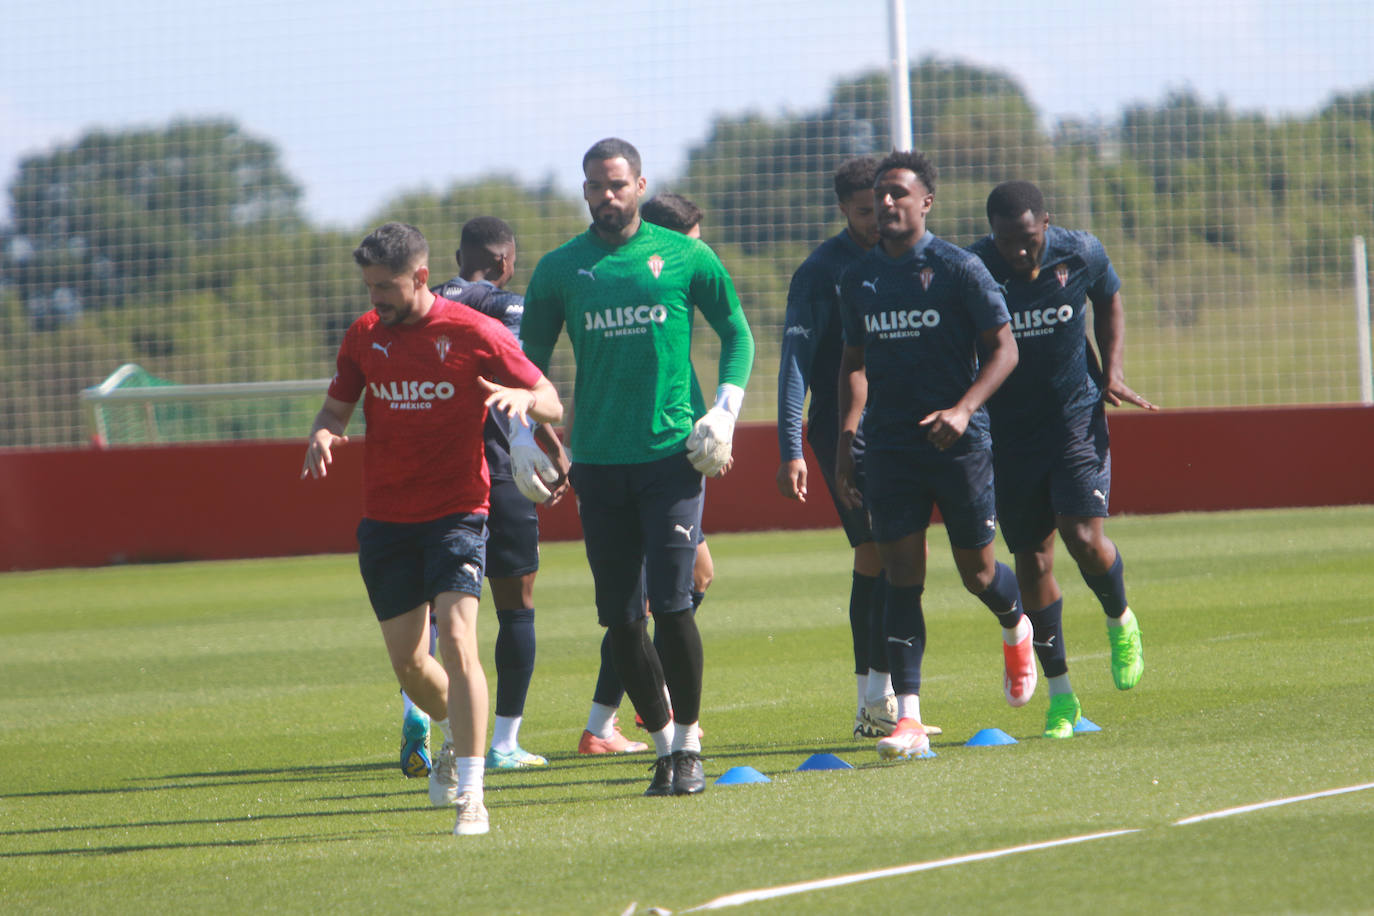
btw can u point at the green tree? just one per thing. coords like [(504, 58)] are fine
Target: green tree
[(123, 214)]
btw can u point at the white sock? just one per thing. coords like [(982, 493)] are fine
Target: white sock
[(1017, 633), (601, 720), (444, 727), (663, 739), (505, 734), (908, 706), (470, 770), (1124, 619), (862, 684), (686, 737), (406, 704), (879, 685), (1059, 684)]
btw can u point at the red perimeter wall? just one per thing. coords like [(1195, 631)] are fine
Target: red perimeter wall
[(89, 508)]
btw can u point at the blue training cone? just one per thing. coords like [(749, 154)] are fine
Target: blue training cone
[(738, 776), (1086, 725), (824, 762), (990, 737)]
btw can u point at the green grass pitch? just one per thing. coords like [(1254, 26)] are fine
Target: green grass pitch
[(222, 738)]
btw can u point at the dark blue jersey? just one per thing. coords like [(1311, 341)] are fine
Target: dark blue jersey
[(812, 340), (1055, 380), (507, 308), (918, 318)]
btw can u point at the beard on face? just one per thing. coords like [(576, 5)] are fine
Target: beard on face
[(608, 218)]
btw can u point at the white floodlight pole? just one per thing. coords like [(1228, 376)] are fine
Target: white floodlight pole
[(899, 75), (1362, 321)]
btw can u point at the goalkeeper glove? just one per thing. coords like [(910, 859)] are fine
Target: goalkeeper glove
[(708, 445), (530, 466)]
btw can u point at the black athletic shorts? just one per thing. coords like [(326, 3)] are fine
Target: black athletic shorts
[(406, 564), (1070, 475), (825, 441), (639, 518), (903, 488), (512, 532)]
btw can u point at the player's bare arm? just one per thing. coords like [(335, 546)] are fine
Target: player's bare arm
[(1109, 329), (539, 404), (327, 432), (945, 427), (851, 408)]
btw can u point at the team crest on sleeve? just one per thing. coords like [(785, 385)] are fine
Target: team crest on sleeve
[(655, 265), (927, 274), (442, 345), (1061, 273)]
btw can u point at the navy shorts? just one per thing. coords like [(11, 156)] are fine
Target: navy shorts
[(1070, 477), (406, 564), (512, 532), (824, 442), (639, 519), (903, 488)]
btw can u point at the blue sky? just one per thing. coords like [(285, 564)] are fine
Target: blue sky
[(365, 104)]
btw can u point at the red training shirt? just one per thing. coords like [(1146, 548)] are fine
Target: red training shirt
[(423, 455)]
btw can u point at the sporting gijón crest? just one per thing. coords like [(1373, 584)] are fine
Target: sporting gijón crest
[(442, 345), (655, 265), (927, 274), (1061, 273)]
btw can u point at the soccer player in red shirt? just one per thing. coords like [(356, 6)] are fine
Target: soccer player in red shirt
[(428, 370)]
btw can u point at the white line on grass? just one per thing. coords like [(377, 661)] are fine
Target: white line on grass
[(1245, 809), (841, 880)]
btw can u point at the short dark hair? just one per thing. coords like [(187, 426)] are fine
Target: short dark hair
[(855, 174), (671, 211), (485, 231), (912, 161), (398, 246), (613, 148), (1012, 198)]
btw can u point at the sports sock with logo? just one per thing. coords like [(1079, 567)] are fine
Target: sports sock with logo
[(905, 625), (1109, 587), (1048, 638), (1003, 597)]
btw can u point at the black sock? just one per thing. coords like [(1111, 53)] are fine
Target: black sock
[(682, 662), (1110, 587), (638, 666), (514, 660), (609, 691), (1003, 597), (860, 619), (1048, 640), (905, 625), (877, 629)]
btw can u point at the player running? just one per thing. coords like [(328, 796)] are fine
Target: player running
[(427, 370), (929, 326), (1049, 429)]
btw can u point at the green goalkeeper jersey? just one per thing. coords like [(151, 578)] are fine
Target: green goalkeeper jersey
[(628, 311)]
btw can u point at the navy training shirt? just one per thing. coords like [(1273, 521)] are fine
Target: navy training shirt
[(507, 308), (812, 341), (1055, 381), (918, 318)]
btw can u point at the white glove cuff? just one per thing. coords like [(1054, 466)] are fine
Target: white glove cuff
[(730, 398)]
